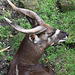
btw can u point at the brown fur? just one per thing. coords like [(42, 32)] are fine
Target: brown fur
[(25, 62), (27, 59)]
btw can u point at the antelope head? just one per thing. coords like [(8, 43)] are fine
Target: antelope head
[(41, 33)]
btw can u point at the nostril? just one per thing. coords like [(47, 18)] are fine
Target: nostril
[(67, 34)]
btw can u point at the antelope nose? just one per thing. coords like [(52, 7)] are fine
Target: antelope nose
[(67, 34)]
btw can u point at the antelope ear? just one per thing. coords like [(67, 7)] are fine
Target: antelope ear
[(31, 21), (34, 38)]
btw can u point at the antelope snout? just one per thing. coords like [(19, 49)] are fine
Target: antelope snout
[(67, 34)]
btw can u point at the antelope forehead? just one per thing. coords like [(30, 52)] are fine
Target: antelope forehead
[(57, 32)]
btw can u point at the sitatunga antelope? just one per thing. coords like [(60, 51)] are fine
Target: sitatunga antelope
[(36, 41)]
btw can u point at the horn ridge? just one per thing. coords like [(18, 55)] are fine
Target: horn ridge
[(28, 13), (35, 30)]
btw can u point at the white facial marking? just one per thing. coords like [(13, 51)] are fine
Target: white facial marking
[(49, 40), (57, 32), (17, 71), (64, 39), (52, 44), (36, 39), (61, 40), (30, 38)]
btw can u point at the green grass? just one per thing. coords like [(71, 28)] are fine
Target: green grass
[(62, 56)]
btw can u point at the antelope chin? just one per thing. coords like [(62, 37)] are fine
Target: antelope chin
[(52, 44), (64, 39)]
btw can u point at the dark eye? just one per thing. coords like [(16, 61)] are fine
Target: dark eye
[(50, 34), (40, 34)]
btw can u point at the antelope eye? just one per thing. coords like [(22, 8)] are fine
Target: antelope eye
[(50, 34), (40, 34)]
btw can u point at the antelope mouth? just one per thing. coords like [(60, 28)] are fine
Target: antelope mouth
[(63, 40)]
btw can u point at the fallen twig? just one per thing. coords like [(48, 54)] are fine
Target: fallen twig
[(4, 49)]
